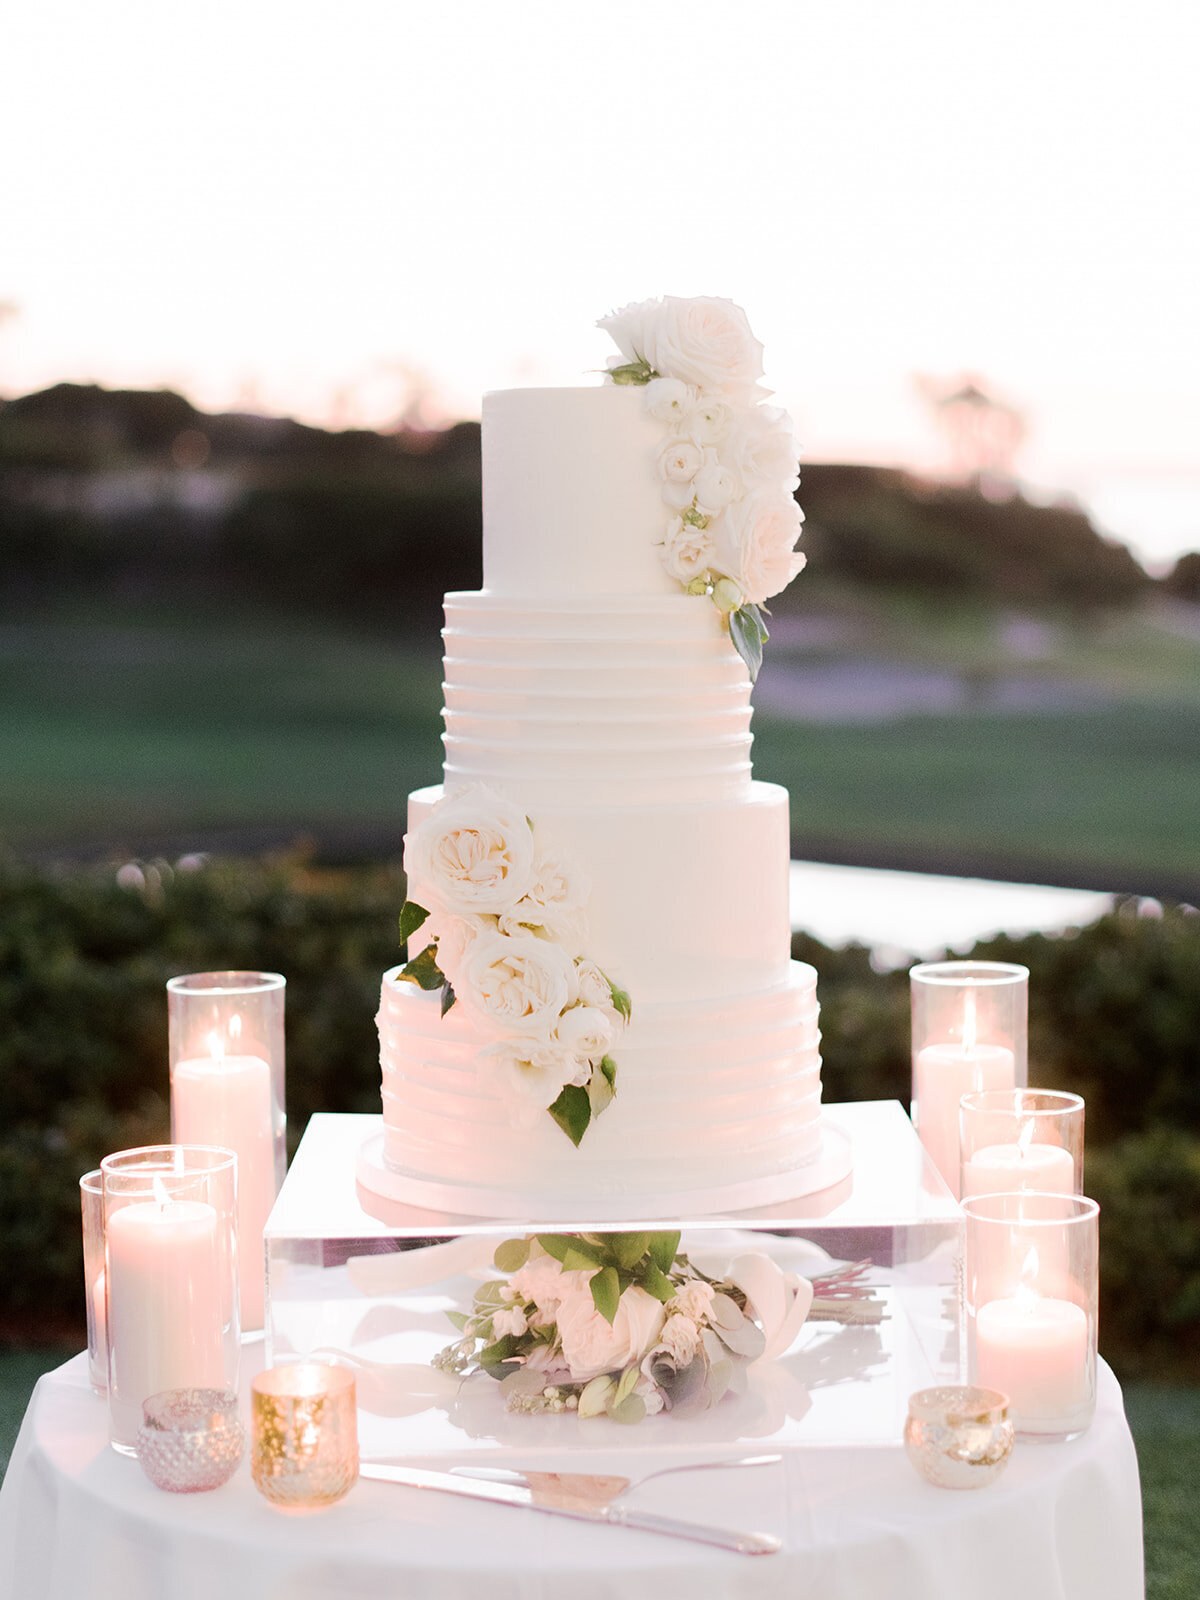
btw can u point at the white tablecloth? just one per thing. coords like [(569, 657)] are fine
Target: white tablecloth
[(1064, 1523)]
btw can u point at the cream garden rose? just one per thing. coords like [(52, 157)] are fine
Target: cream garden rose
[(755, 543), (517, 986), (530, 1074), (554, 901), (705, 341), (585, 1032), (687, 550), (590, 1346), (474, 853)]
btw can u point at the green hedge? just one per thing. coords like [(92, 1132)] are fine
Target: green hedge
[(1114, 1014)]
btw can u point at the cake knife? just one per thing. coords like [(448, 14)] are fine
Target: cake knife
[(505, 1494)]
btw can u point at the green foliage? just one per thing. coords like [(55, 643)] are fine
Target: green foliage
[(749, 633)]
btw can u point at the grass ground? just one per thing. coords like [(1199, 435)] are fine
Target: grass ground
[(135, 724), (1165, 1424)]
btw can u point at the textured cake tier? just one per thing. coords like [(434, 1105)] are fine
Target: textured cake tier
[(686, 902), (611, 701), (571, 501), (713, 1097)]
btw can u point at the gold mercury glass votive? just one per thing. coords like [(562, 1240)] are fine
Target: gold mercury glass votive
[(958, 1437), (304, 1435)]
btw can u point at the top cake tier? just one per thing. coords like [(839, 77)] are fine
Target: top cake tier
[(571, 504)]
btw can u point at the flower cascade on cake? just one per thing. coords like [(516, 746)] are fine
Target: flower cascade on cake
[(624, 1325), (505, 920), (729, 466)]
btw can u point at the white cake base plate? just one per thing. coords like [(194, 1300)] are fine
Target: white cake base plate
[(831, 1164)]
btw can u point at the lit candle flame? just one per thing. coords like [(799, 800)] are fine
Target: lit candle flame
[(216, 1049), (235, 1025), (1027, 1294), (160, 1192)]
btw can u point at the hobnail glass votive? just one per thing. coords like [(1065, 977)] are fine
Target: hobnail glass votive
[(191, 1439), (304, 1441), (91, 1201), (969, 1027), (1015, 1139), (227, 1071), (959, 1437)]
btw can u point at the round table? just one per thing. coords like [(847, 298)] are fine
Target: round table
[(1062, 1523)]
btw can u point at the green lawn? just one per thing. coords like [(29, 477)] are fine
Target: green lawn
[(1165, 1424), (130, 725)]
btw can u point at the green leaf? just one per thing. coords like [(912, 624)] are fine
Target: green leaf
[(411, 918), (511, 1256), (609, 1068), (749, 633), (579, 1258), (631, 1409), (572, 1111), (448, 997), (658, 1284), (459, 1319), (493, 1293), (632, 372), (423, 970), (561, 1245), (628, 1248), (606, 1293), (622, 1004), (664, 1247), (627, 1384), (493, 1357), (599, 1092)]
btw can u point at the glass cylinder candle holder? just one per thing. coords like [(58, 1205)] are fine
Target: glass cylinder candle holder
[(170, 1274), (191, 1439), (969, 1027), (91, 1199), (227, 1089), (1012, 1139), (304, 1435), (958, 1437), (1030, 1287)]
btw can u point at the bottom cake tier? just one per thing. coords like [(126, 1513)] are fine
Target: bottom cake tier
[(715, 1105)]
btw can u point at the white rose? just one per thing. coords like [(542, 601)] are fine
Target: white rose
[(704, 341), (763, 447), (594, 987), (668, 400), (543, 1281), (590, 1346), (454, 936), (686, 550), (586, 1032), (555, 901), (680, 461), (693, 1300), (474, 852), (707, 422), (518, 986), (531, 1074), (714, 486), (511, 1321), (680, 1338), (628, 327), (754, 539)]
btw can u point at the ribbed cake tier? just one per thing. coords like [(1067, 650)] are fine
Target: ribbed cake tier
[(620, 702), (722, 1097), (686, 902)]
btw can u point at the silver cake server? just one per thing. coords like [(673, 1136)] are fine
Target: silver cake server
[(557, 1500), (603, 1489)]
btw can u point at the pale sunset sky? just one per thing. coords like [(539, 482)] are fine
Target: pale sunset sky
[(294, 206)]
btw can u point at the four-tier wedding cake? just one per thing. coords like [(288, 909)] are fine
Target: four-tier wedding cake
[(599, 1016)]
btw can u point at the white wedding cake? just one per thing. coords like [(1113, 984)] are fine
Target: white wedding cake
[(599, 1016)]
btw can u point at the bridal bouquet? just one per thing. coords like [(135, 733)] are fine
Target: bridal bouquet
[(624, 1325)]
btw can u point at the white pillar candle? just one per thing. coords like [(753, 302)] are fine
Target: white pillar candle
[(1013, 1168), (164, 1305), (942, 1075), (1035, 1350), (226, 1101)]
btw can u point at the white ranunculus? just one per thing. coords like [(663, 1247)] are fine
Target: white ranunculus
[(692, 1300), (754, 538), (555, 901), (586, 1032), (686, 550), (628, 330), (668, 400), (516, 987), (531, 1074), (714, 486), (680, 1338), (590, 1346), (705, 341), (473, 853), (680, 461), (707, 422)]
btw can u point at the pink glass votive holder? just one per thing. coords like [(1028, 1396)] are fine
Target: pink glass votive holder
[(958, 1437), (304, 1439), (191, 1439), (91, 1199)]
